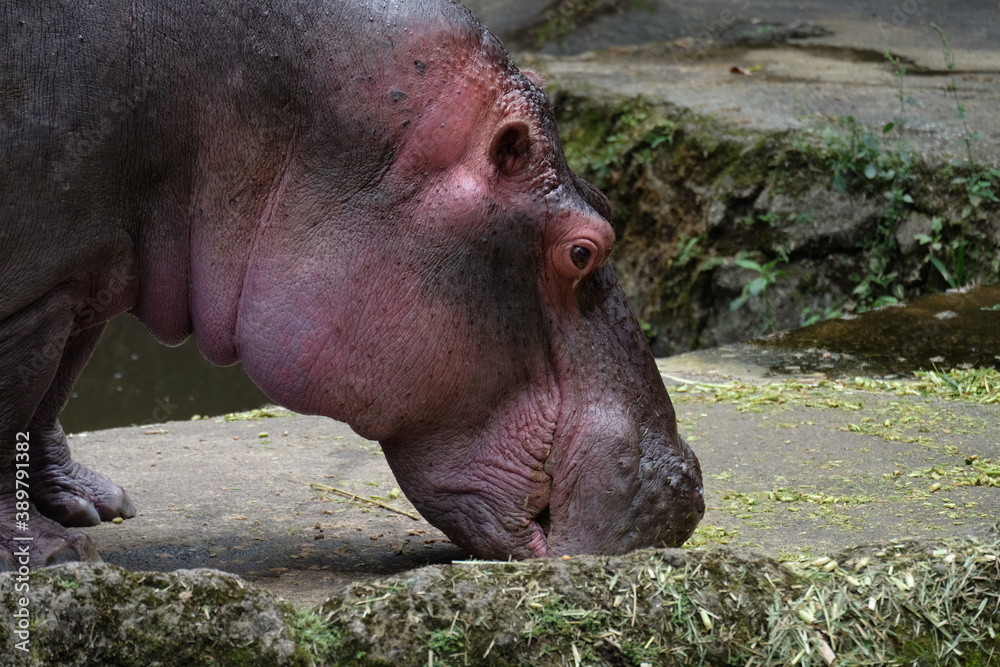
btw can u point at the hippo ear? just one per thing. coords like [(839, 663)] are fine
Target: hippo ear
[(511, 148), (594, 197), (534, 77)]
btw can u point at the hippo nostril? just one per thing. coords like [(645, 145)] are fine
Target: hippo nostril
[(544, 519), (580, 257)]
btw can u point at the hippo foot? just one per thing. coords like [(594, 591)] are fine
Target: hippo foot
[(74, 495), (32, 540)]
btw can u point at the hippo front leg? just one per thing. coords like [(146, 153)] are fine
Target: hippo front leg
[(70, 492), (64, 490), (40, 484)]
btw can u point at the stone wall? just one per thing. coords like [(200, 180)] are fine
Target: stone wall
[(725, 233)]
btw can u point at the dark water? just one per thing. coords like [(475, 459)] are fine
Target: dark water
[(956, 330), (132, 379)]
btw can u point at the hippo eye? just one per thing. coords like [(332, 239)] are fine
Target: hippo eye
[(511, 148), (576, 259)]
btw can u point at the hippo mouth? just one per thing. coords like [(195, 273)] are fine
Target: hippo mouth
[(540, 527), (497, 501), (544, 520)]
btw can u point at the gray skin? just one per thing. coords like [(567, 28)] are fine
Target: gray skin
[(367, 205)]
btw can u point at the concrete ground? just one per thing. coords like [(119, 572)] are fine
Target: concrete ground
[(219, 494), (793, 478)]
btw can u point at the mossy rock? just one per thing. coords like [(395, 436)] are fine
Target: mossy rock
[(845, 228), (904, 602), (100, 614), (929, 602)]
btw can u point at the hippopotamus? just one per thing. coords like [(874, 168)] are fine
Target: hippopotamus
[(366, 204)]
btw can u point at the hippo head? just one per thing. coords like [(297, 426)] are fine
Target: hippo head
[(433, 273)]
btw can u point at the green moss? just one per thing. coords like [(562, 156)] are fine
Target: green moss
[(600, 141), (565, 16)]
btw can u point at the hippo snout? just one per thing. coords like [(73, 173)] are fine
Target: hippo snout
[(613, 494), (604, 486)]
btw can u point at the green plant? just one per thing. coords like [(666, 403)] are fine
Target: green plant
[(809, 317), (940, 250), (767, 275), (660, 132), (968, 137), (981, 186), (878, 287), (879, 165), (313, 634), (876, 167), (687, 249), (649, 330), (560, 21), (446, 643), (898, 71), (770, 218), (565, 16)]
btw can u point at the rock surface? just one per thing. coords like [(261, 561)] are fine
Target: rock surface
[(99, 614), (925, 601), (721, 607)]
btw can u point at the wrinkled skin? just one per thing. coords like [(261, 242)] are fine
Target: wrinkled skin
[(367, 205)]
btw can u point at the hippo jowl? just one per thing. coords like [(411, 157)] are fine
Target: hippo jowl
[(366, 204)]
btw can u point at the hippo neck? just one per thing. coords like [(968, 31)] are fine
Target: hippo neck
[(282, 104), (219, 134)]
